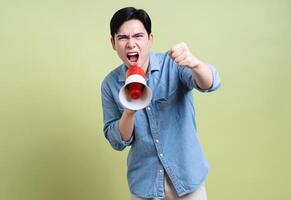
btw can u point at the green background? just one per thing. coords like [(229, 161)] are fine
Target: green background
[(54, 55)]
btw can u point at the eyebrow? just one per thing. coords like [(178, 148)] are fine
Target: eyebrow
[(127, 36)]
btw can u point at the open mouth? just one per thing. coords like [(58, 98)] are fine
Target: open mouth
[(132, 57)]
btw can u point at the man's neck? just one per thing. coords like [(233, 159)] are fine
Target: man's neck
[(146, 66)]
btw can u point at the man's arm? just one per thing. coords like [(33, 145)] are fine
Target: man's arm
[(126, 124), (181, 54), (113, 120)]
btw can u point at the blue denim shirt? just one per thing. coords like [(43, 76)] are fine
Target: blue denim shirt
[(165, 137)]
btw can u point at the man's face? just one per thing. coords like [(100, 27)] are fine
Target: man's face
[(132, 44)]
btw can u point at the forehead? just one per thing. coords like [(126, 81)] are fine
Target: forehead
[(131, 27)]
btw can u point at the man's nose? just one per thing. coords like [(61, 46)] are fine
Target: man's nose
[(131, 43)]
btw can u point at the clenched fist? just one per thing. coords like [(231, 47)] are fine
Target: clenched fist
[(181, 54)]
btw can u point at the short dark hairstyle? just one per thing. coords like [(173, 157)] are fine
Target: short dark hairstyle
[(129, 13)]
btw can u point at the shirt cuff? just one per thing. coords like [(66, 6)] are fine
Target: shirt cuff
[(215, 81), (121, 141)]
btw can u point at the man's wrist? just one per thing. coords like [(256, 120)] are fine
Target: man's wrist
[(198, 65), (195, 63), (129, 112)]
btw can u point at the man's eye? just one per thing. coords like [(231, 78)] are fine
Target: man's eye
[(138, 36)]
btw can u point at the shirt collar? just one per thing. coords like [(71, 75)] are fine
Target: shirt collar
[(154, 66)]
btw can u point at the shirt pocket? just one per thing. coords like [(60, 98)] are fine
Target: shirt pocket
[(169, 103), (165, 91), (168, 110)]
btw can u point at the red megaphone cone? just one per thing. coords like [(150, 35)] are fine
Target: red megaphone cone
[(135, 88)]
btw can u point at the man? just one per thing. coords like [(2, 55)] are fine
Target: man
[(165, 160)]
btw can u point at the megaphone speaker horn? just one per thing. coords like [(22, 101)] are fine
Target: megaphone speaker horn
[(135, 94)]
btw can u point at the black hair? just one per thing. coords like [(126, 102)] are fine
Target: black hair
[(129, 13)]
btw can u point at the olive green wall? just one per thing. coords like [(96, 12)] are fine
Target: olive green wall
[(54, 55)]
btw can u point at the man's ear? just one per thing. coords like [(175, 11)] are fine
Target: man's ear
[(151, 38), (112, 43)]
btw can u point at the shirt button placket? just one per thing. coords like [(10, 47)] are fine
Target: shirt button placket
[(157, 141)]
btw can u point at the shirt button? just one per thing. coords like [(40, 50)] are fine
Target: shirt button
[(157, 141), (161, 171), (149, 108), (161, 155)]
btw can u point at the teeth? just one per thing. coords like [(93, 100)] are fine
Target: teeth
[(132, 54)]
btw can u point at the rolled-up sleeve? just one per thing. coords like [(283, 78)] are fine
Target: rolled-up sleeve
[(188, 79), (215, 83), (111, 117)]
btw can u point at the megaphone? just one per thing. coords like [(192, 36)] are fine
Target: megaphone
[(135, 94)]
